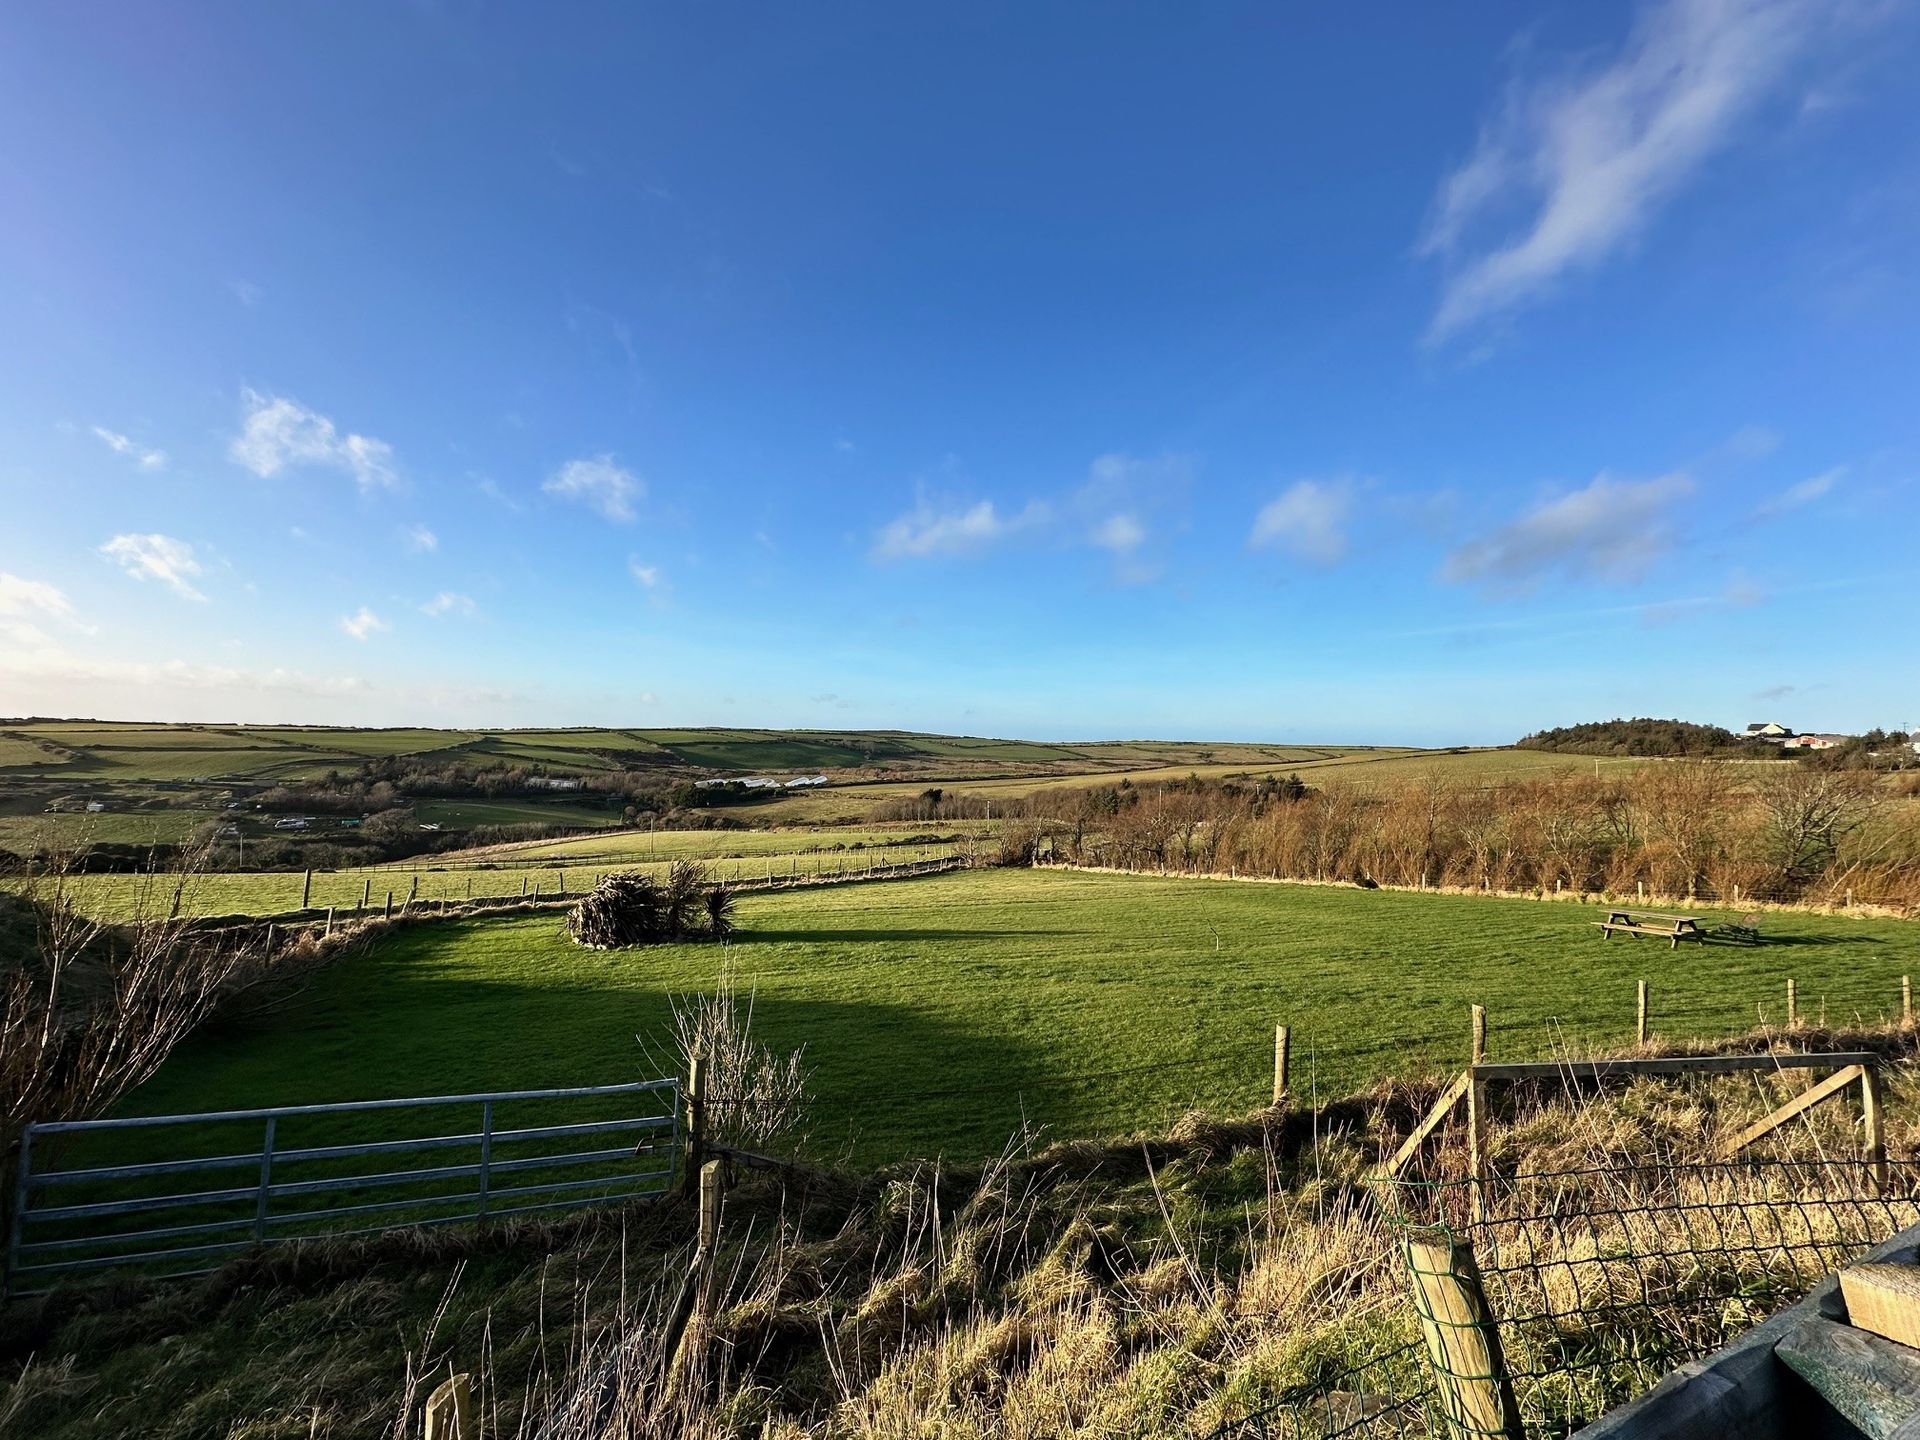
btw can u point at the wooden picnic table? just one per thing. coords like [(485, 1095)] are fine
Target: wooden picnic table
[(1672, 928)]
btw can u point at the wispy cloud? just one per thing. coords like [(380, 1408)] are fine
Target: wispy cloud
[(447, 602), (157, 557), (121, 445), (363, 624), (1610, 530), (1574, 165), (928, 530), (277, 433), (1122, 534), (247, 293), (599, 483), (1813, 488), (647, 576), (1308, 520), (20, 596), (419, 539)]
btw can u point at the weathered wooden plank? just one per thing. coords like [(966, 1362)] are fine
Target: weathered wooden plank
[(1873, 1382), (1442, 1108), (1884, 1299), (1826, 1089), (1671, 1065)]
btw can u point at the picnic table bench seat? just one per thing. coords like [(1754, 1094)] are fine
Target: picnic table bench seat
[(1672, 928)]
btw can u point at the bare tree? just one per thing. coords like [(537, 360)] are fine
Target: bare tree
[(1806, 813), (97, 1006)]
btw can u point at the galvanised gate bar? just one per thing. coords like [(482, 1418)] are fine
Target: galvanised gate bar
[(88, 1191)]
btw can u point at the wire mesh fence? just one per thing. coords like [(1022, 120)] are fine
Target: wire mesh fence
[(1597, 1282)]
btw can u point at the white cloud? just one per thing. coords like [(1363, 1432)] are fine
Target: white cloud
[(447, 602), (247, 293), (157, 557), (599, 483), (1122, 534), (1573, 166), (1612, 530), (278, 433), (1308, 520), (419, 539), (647, 575), (363, 623), (20, 596), (121, 445), (1805, 493), (926, 531)]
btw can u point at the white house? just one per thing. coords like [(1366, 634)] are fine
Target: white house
[(1768, 730)]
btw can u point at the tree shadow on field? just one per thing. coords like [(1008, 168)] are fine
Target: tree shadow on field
[(760, 935), (889, 1081)]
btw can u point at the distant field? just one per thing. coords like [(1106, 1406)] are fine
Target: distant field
[(942, 1014)]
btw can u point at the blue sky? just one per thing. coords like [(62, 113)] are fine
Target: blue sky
[(1414, 374)]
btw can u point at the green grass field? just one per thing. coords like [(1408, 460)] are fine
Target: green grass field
[(553, 866), (942, 1014)]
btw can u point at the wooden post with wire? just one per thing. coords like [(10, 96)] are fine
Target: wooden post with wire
[(1640, 1013), (450, 1411), (1874, 1124), (1477, 1114), (1463, 1343), (696, 1118), (1282, 1048)]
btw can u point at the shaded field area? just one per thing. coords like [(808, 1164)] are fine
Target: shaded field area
[(943, 1015)]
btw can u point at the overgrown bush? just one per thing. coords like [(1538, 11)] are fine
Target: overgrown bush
[(627, 909)]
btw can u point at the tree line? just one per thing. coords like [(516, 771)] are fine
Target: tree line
[(1694, 828)]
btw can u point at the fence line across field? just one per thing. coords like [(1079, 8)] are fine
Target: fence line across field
[(70, 1220)]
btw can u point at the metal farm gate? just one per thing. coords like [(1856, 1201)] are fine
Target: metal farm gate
[(89, 1192)]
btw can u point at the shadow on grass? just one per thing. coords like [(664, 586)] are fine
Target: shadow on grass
[(890, 1081), (757, 935)]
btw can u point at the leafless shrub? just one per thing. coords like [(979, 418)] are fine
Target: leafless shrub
[(96, 1007), (756, 1098)]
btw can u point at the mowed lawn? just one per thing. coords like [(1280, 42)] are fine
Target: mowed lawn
[(941, 1015)]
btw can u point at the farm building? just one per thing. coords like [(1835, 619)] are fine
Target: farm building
[(1767, 730), (1814, 742)]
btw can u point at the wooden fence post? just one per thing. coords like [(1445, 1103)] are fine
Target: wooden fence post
[(1906, 1001), (1875, 1126), (696, 1118), (1477, 1115), (306, 889), (1640, 1009), (1793, 1004), (366, 893), (387, 914), (328, 935), (1462, 1340), (450, 1411), (1282, 1045)]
